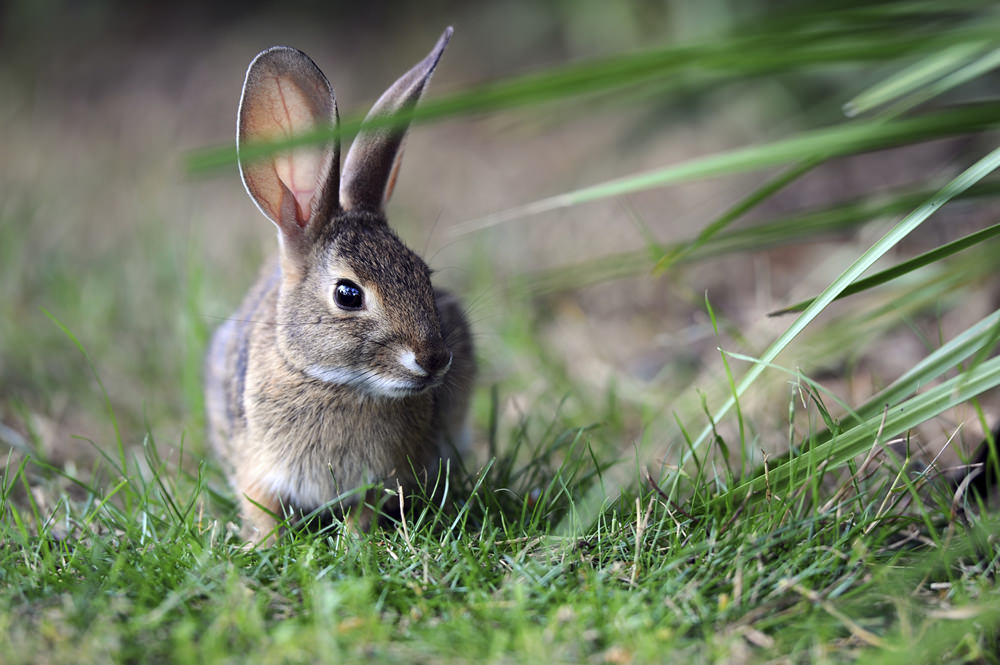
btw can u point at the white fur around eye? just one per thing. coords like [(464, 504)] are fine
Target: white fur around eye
[(408, 359)]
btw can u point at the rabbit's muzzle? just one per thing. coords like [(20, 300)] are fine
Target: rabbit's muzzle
[(426, 368)]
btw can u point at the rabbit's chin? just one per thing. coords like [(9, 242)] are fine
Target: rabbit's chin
[(371, 383)]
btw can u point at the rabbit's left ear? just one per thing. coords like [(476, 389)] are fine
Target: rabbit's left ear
[(285, 95), (373, 160)]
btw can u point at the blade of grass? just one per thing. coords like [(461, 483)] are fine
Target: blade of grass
[(897, 420), (965, 180), (885, 276), (974, 340), (914, 77), (837, 218), (781, 231), (741, 54), (818, 144), (973, 70), (670, 257)]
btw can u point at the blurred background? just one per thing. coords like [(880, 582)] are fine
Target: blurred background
[(118, 257)]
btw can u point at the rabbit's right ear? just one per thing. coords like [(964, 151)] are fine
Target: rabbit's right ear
[(284, 95), (373, 160)]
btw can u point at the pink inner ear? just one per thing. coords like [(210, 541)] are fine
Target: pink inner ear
[(300, 171), (287, 112)]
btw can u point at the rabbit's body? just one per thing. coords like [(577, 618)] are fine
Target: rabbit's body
[(343, 366)]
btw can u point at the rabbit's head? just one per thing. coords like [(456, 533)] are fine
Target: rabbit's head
[(355, 305)]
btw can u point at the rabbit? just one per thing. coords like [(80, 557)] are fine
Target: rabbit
[(343, 366)]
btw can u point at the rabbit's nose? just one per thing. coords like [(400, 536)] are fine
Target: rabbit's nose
[(434, 361)]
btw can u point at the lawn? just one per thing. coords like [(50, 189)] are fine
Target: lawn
[(621, 195)]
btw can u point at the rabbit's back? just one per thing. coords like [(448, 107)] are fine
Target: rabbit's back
[(227, 361)]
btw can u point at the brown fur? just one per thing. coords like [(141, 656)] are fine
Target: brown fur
[(306, 400)]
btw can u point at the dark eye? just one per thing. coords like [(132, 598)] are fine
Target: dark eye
[(348, 295)]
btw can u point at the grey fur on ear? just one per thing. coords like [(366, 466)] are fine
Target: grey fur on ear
[(284, 95), (373, 160)]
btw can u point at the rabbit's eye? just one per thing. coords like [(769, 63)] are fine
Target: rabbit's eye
[(348, 295)]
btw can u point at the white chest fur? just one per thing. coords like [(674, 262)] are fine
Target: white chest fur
[(315, 451)]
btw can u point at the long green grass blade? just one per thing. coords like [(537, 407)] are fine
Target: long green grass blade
[(973, 341), (973, 70), (837, 218), (820, 144), (761, 194), (889, 274), (777, 232), (979, 340), (807, 41), (914, 77), (969, 177), (897, 420)]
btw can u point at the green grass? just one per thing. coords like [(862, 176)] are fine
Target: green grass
[(520, 563), (741, 511)]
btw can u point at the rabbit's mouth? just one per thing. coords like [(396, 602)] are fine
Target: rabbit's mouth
[(378, 384)]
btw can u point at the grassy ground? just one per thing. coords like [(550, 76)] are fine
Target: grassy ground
[(526, 561), (635, 495)]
